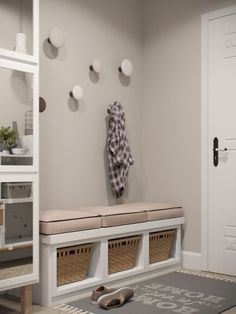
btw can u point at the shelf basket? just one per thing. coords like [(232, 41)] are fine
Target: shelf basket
[(161, 245), (73, 263), (16, 189), (122, 254)]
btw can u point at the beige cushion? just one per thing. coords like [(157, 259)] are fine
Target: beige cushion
[(131, 213), (60, 221), (165, 213), (158, 211), (118, 215)]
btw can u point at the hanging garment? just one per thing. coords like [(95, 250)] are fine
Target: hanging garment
[(119, 156)]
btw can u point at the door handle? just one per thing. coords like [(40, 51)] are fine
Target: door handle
[(215, 151)]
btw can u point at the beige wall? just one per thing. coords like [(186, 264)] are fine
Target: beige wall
[(72, 138), (163, 39), (172, 96)]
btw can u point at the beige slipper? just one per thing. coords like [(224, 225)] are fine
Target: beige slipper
[(100, 291), (116, 298)]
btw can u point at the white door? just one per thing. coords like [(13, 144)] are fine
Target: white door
[(221, 70)]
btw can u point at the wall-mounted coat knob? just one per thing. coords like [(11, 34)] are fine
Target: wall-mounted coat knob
[(56, 38), (96, 66), (42, 104), (77, 92), (126, 67)]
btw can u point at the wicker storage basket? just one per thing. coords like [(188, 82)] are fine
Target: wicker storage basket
[(72, 263), (122, 253), (16, 189), (160, 245)]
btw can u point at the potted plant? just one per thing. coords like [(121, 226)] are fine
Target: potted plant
[(7, 138)]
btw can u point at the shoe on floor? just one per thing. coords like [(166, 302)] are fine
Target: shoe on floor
[(116, 298), (100, 291)]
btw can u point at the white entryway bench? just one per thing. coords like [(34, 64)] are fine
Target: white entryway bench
[(99, 241)]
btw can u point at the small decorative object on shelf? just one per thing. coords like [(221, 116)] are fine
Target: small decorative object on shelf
[(18, 151), (21, 43), (15, 129), (16, 189), (7, 138), (29, 122)]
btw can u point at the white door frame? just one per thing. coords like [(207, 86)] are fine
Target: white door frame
[(204, 128)]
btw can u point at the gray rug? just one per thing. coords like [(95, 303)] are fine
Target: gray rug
[(172, 293)]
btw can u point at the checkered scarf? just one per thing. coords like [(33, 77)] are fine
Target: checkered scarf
[(119, 156)]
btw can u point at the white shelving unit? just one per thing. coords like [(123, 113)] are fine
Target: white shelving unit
[(19, 221)]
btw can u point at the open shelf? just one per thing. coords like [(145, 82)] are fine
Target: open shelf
[(16, 268), (14, 242), (17, 56), (16, 200)]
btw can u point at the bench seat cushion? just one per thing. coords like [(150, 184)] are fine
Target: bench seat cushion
[(156, 211), (131, 213), (60, 221), (118, 215)]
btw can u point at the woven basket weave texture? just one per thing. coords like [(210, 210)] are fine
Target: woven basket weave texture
[(73, 263), (160, 245), (122, 253), (16, 189)]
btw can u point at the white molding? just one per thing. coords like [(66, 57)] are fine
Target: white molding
[(36, 30), (191, 260), (204, 143)]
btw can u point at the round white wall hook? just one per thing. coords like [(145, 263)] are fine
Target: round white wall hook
[(56, 38), (96, 66), (77, 92), (126, 67)]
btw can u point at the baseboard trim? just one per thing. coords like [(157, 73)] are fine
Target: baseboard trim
[(191, 260)]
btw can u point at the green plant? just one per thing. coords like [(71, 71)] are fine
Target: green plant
[(7, 137)]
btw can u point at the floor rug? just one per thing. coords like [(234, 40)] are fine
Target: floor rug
[(177, 292)]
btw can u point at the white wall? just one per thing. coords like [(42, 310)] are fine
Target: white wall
[(72, 138), (172, 96)]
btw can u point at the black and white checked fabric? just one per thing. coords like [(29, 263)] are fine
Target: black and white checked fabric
[(119, 156)]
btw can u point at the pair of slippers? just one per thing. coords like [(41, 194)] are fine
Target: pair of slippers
[(108, 298)]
